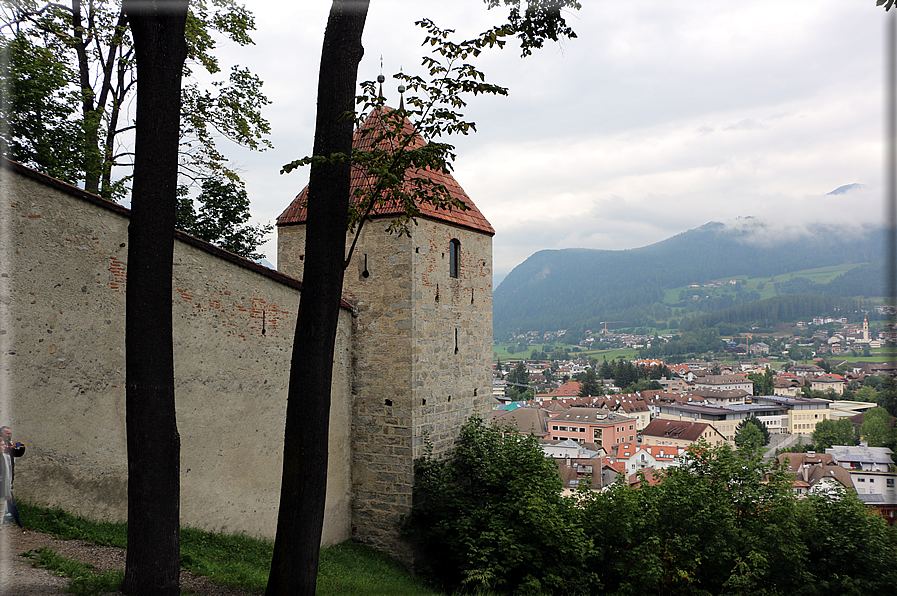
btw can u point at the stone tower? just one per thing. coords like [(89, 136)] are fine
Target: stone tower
[(422, 342)]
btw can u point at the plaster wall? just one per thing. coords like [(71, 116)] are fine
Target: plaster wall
[(63, 261)]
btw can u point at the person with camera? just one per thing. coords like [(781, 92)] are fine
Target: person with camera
[(8, 452)]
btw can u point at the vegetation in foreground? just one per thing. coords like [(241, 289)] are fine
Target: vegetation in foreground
[(232, 560), (490, 516), (85, 580)]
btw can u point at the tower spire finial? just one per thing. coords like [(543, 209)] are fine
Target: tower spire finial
[(380, 77)]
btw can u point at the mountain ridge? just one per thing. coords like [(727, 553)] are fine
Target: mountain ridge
[(560, 288)]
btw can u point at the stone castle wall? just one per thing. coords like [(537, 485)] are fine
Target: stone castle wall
[(452, 336), (421, 366), (63, 261)]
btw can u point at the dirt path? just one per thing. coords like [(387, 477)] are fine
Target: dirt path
[(18, 577)]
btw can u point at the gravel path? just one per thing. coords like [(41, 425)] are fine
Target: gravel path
[(18, 577)]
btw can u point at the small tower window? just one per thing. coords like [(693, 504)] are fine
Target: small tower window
[(454, 257)]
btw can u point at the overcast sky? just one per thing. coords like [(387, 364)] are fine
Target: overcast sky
[(660, 117)]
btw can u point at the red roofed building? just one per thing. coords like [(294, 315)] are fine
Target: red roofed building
[(638, 457), (422, 328), (680, 433), (592, 425), (568, 389)]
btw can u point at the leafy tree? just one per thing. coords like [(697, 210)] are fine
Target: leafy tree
[(877, 428), (38, 108), (493, 505), (642, 385), (490, 516), (91, 47), (518, 374), (888, 396), (520, 393), (589, 384), (748, 438), (222, 216), (152, 565), (834, 432), (763, 384), (874, 381), (759, 424), (847, 549), (300, 517)]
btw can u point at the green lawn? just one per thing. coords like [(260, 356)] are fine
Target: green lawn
[(885, 354), (232, 560)]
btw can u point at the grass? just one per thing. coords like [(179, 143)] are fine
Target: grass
[(86, 581), (500, 353), (232, 560), (819, 275)]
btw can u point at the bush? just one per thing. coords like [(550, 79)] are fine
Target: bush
[(490, 516)]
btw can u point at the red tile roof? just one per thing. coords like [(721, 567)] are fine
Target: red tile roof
[(675, 429), (471, 218)]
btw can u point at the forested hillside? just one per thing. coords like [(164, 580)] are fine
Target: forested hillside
[(580, 288)]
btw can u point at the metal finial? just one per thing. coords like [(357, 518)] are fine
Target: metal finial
[(401, 97), (380, 79)]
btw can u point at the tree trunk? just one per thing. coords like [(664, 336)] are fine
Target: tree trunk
[(301, 515), (152, 565)]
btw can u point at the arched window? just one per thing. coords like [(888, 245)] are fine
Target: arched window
[(454, 257)]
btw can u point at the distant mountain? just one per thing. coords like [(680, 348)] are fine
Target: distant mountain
[(580, 288), (843, 189)]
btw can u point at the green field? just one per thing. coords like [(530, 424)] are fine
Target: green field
[(885, 354), (820, 275), (500, 353)]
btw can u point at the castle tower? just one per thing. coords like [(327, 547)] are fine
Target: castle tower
[(422, 342)]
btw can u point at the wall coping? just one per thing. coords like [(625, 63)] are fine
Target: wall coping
[(74, 191)]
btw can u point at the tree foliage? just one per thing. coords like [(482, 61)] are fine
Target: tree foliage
[(39, 110), (490, 516), (90, 80), (764, 436), (589, 384), (748, 438), (221, 218), (723, 522), (878, 428), (763, 384), (834, 432)]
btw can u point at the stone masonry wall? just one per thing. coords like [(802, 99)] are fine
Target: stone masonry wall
[(452, 335), (410, 381), (63, 265), (378, 283)]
